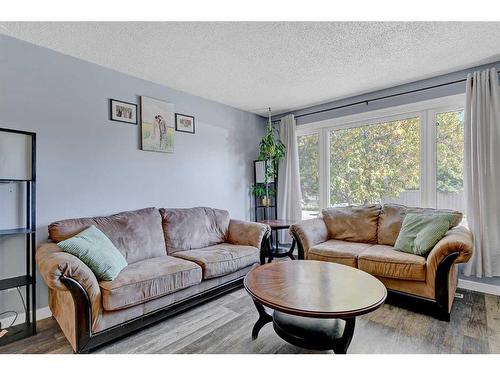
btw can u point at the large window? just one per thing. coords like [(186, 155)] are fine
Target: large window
[(309, 174), (376, 163), (412, 155), (450, 160)]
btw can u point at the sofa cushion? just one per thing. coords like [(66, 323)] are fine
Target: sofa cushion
[(94, 249), (392, 216), (384, 261), (194, 228), (136, 234), (352, 223), (337, 251), (221, 259), (148, 279), (421, 232)]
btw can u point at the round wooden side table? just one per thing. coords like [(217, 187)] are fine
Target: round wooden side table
[(276, 251)]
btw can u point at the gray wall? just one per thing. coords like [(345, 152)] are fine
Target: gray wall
[(88, 165), (446, 90)]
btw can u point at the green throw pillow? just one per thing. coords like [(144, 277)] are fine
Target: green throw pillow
[(96, 250), (420, 232)]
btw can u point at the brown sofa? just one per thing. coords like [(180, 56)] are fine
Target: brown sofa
[(177, 258), (364, 236)]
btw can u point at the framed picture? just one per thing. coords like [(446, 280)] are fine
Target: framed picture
[(123, 111), (184, 123), (157, 125)]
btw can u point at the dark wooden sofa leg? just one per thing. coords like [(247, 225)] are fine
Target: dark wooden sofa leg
[(83, 317), (442, 287), (300, 248), (264, 248)]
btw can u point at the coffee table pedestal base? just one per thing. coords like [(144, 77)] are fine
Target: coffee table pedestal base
[(264, 318), (308, 333), (315, 333)]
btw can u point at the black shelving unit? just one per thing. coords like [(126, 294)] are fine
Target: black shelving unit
[(28, 280), (270, 211)]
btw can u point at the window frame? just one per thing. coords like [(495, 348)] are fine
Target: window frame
[(425, 111)]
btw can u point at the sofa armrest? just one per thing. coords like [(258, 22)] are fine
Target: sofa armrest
[(308, 233), (247, 233), (53, 263), (457, 239)]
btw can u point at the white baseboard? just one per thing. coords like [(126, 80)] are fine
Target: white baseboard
[(41, 313), (479, 287)]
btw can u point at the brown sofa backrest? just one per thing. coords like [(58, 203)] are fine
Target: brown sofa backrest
[(136, 234), (392, 216), (352, 223), (194, 228)]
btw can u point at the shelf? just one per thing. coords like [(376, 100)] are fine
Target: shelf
[(7, 180), (25, 186), (6, 232), (14, 282), (17, 332), (282, 250), (270, 206)]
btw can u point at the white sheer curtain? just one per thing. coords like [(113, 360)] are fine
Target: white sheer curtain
[(289, 195), (482, 171)]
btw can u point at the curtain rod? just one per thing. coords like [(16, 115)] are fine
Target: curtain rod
[(381, 98)]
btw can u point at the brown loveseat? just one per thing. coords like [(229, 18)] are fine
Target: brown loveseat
[(177, 258), (364, 236)]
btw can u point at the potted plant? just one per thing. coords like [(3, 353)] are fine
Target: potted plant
[(260, 191), (271, 151)]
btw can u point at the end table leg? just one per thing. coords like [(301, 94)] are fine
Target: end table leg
[(292, 248), (270, 249), (264, 318), (264, 251), (344, 342)]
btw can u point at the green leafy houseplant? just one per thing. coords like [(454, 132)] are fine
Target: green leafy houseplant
[(271, 150), (259, 190)]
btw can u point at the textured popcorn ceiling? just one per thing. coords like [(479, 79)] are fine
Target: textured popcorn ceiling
[(283, 65)]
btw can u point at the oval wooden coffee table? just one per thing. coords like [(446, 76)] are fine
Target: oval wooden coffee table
[(315, 303)]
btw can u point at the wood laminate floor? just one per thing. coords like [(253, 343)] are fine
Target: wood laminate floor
[(224, 326)]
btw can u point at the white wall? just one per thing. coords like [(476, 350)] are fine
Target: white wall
[(88, 165)]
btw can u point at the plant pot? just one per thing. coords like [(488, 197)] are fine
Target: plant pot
[(264, 201)]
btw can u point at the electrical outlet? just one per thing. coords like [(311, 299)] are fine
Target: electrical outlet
[(459, 295)]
